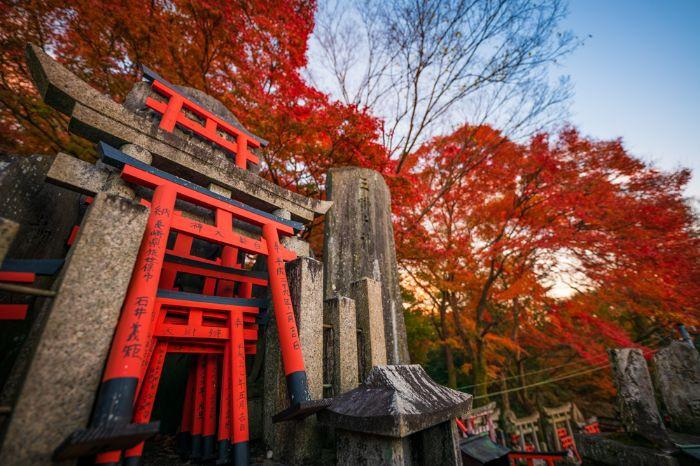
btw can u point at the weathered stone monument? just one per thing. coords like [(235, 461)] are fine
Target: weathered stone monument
[(677, 378), (185, 284), (635, 396), (647, 440), (359, 243)]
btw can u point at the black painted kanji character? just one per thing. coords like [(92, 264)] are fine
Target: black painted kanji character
[(142, 300), (159, 211), (131, 351), (134, 335)]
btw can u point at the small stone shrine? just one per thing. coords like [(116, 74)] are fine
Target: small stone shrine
[(160, 306)]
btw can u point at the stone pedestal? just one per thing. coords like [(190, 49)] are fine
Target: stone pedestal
[(339, 314), (78, 331), (438, 445), (367, 294), (398, 416), (356, 448), (635, 396), (296, 442), (359, 242)]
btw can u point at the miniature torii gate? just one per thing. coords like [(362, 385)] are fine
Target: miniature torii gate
[(215, 129), (133, 341), (523, 427)]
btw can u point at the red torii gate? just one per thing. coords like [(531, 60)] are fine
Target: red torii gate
[(140, 344), (215, 129)]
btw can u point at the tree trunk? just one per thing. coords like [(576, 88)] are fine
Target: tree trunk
[(450, 365), (480, 371), (523, 395), (505, 399), (447, 349)]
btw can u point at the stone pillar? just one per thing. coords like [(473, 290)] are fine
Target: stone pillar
[(78, 331), (359, 242), (356, 448), (367, 294), (677, 378), (296, 442), (339, 313), (635, 396)]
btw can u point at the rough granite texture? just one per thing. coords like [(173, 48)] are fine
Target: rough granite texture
[(97, 117), (367, 294), (296, 442), (77, 175), (137, 152), (78, 332), (395, 401), (339, 313), (677, 378), (8, 231), (359, 242), (598, 449), (635, 396)]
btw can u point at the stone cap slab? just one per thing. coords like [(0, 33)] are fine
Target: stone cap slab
[(395, 401), (97, 117)]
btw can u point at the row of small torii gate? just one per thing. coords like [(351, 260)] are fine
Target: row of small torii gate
[(544, 438), (211, 308)]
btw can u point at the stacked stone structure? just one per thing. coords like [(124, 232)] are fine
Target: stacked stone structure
[(347, 307)]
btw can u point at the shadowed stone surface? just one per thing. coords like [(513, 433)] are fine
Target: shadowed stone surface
[(677, 379), (367, 294), (359, 242), (395, 401), (600, 449), (635, 396), (76, 338), (45, 213), (438, 445), (97, 117), (296, 442)]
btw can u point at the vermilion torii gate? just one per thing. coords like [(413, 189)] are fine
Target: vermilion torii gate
[(156, 320), (215, 129)]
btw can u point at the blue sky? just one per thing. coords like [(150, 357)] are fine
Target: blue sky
[(638, 77)]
